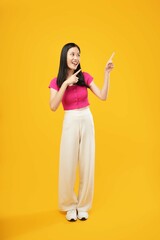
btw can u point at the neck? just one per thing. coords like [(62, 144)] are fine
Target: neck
[(70, 72)]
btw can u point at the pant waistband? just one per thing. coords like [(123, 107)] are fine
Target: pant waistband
[(78, 112)]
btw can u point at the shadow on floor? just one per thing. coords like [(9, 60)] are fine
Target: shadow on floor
[(17, 225)]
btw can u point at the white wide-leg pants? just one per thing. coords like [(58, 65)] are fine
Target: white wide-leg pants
[(77, 147)]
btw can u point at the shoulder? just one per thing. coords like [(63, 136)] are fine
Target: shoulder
[(87, 77), (53, 84)]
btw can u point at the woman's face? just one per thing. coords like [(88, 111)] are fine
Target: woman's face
[(73, 58)]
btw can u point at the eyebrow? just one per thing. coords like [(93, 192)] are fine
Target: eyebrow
[(75, 53)]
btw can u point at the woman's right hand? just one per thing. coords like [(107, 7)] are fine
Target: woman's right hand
[(72, 79)]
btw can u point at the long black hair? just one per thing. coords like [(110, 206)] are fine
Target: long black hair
[(63, 67)]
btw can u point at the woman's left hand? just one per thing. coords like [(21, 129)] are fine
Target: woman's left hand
[(109, 66)]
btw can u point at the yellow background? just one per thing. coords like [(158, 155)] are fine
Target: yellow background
[(127, 179)]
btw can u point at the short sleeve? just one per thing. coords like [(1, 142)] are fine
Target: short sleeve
[(53, 84), (88, 78)]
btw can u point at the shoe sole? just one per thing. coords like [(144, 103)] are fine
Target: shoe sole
[(83, 219), (72, 220)]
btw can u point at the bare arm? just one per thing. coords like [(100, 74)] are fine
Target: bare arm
[(56, 96), (103, 93)]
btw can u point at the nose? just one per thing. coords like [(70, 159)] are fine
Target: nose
[(75, 57)]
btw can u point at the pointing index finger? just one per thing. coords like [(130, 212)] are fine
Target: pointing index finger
[(112, 56), (77, 72)]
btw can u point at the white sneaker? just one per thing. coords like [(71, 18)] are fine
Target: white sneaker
[(83, 215), (71, 215)]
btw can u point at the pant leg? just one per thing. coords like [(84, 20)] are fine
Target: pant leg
[(86, 163), (68, 163)]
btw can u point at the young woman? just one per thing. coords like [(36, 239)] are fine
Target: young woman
[(77, 140)]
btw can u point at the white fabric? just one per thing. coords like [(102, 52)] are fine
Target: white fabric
[(77, 147), (71, 215), (82, 215)]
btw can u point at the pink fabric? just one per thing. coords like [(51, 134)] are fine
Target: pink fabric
[(75, 96)]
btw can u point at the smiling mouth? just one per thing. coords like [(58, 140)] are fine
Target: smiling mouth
[(75, 64)]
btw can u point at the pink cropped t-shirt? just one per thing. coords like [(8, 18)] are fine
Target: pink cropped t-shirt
[(75, 96)]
